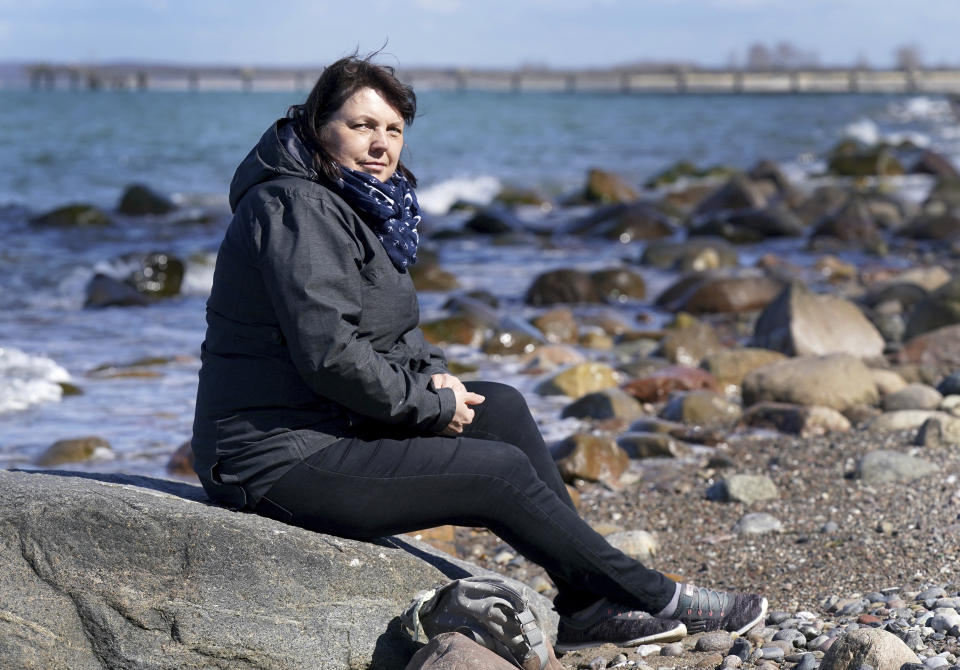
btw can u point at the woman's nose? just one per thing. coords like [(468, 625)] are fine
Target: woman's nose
[(379, 140)]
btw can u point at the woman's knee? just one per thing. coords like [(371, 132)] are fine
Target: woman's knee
[(501, 399)]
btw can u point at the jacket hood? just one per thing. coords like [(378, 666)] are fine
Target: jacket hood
[(279, 153)]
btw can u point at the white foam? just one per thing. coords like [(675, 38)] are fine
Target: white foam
[(27, 380), (863, 130), (921, 108), (198, 276), (440, 197)]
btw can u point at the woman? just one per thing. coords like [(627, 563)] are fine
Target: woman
[(320, 403)]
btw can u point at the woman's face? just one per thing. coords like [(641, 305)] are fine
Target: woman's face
[(365, 134)]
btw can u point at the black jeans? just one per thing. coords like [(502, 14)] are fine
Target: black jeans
[(498, 474)]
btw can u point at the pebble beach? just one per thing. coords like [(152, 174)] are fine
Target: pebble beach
[(746, 358)]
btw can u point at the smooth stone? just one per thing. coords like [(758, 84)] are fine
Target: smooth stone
[(839, 381), (758, 523), (74, 450), (672, 649), (807, 662), (645, 650), (939, 348), (658, 384), (802, 323), (887, 381), (805, 421), (606, 187), (559, 326), (105, 291), (715, 641), (950, 385), (579, 380), (742, 648), (772, 653), (73, 215), (743, 488), (913, 397), (936, 662), (562, 286), (727, 295), (606, 404), (652, 445), (939, 308), (932, 593), (889, 466), (910, 419), (618, 285), (731, 661), (690, 344), (140, 200), (944, 619), (591, 457), (872, 646), (696, 254), (702, 408), (731, 365), (551, 357), (638, 544)]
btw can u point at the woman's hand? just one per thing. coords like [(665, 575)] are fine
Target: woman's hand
[(464, 414)]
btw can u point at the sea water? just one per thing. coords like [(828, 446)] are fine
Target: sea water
[(62, 147)]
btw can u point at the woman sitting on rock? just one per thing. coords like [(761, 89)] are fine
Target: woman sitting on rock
[(321, 405)]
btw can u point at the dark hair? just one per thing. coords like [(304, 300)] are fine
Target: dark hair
[(336, 84)]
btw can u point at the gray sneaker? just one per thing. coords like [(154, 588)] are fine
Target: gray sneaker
[(610, 623), (702, 609)]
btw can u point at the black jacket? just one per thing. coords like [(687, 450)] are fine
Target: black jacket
[(311, 331)]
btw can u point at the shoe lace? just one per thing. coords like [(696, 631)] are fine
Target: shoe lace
[(709, 601)]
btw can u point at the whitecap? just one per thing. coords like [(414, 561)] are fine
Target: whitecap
[(863, 130), (27, 380), (921, 108), (440, 197)]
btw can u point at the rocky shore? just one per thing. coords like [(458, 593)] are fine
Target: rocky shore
[(782, 417)]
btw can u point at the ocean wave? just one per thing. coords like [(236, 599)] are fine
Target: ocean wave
[(440, 197), (921, 108), (27, 380), (868, 132)]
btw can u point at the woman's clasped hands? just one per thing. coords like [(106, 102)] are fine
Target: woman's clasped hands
[(464, 413)]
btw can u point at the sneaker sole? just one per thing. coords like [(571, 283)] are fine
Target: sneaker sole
[(672, 635), (760, 617)]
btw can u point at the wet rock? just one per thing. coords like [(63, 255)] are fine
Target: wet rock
[(70, 216), (74, 450), (751, 225), (747, 489), (579, 380), (851, 223), (562, 286), (930, 162), (557, 325), (934, 226), (913, 396), (690, 343), (731, 365), (606, 404), (591, 457), (702, 408), (641, 445), (595, 338), (823, 201), (805, 421), (456, 329), (659, 384), (867, 646), (852, 161), (181, 461), (618, 284), (737, 194), (696, 254), (892, 466), (606, 187), (160, 275), (758, 523), (510, 343), (800, 323), (839, 381), (719, 294), (104, 291), (493, 220), (938, 348), (512, 196), (637, 544), (768, 171), (427, 275), (626, 223), (140, 200), (941, 308)]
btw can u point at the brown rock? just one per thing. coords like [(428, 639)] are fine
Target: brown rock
[(603, 186), (731, 365), (659, 384), (73, 450), (652, 445), (579, 380), (427, 275), (939, 348), (606, 404), (690, 344), (619, 284), (591, 457), (731, 295), (839, 381), (795, 419), (698, 254), (851, 223), (738, 193), (510, 343), (456, 329), (557, 325), (181, 462), (701, 408), (439, 537), (550, 357), (562, 286)]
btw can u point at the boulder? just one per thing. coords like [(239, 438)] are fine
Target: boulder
[(181, 462), (823, 201), (728, 295), (579, 380), (594, 458), (938, 348), (887, 381), (427, 275), (938, 309), (867, 646), (738, 193), (606, 404), (562, 286), (751, 225), (76, 215), (74, 450), (104, 291), (626, 223), (746, 489), (697, 254), (456, 329), (512, 196), (659, 384), (882, 466), (930, 162), (795, 419), (913, 396), (495, 220), (853, 222), (124, 571), (689, 344), (618, 284), (851, 161), (140, 200), (731, 365), (160, 275), (701, 408), (802, 323), (839, 381), (606, 187)]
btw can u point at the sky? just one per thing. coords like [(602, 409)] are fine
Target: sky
[(475, 33)]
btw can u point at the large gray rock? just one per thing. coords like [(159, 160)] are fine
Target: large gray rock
[(892, 466), (122, 571), (867, 646), (839, 381), (802, 323)]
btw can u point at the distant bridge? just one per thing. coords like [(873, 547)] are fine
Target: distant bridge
[(625, 80)]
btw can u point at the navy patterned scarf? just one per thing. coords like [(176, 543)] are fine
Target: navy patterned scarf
[(390, 209)]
